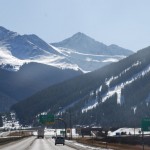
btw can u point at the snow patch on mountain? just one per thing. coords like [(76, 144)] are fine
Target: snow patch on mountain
[(7, 58), (117, 89), (87, 61), (56, 61), (16, 50), (110, 60), (90, 105), (79, 52), (134, 109)]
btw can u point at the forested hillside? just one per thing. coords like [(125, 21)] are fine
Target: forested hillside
[(31, 78), (115, 95)]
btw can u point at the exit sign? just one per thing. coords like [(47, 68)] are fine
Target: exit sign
[(145, 124), (46, 119)]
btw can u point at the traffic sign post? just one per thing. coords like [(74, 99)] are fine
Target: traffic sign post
[(46, 119), (62, 132), (145, 126)]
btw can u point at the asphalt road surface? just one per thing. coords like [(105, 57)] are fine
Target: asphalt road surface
[(18, 145), (48, 144), (33, 143)]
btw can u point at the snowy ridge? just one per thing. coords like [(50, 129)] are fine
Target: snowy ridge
[(117, 89), (16, 50), (6, 57), (87, 61), (107, 82), (84, 53), (88, 53)]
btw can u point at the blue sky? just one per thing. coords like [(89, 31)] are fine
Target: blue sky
[(122, 22)]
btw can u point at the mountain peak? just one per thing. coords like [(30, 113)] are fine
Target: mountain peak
[(78, 33), (2, 28), (4, 33), (82, 43), (81, 36)]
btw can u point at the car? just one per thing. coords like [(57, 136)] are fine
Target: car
[(59, 140)]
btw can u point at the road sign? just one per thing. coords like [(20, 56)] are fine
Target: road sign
[(145, 125), (62, 132), (46, 119)]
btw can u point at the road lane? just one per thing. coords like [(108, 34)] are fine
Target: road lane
[(33, 143), (48, 144), (18, 145)]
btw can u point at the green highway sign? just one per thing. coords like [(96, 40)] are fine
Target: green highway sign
[(46, 119), (145, 124), (62, 132)]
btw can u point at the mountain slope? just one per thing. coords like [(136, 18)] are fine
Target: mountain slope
[(15, 50), (89, 54), (30, 79), (27, 65), (79, 52), (6, 102), (110, 95), (85, 44)]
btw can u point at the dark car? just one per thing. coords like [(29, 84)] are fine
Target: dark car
[(59, 140)]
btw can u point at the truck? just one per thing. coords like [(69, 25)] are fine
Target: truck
[(40, 133)]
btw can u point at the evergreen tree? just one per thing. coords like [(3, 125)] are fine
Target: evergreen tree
[(1, 122)]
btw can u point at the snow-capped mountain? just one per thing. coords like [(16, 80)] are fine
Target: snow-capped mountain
[(28, 65), (15, 50), (79, 52), (89, 54), (115, 95), (85, 44)]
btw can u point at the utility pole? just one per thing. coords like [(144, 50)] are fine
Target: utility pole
[(143, 139), (70, 124)]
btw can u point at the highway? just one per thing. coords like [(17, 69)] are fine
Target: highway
[(18, 145), (48, 144), (33, 143)]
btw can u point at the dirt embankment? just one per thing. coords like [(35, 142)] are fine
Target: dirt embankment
[(113, 145)]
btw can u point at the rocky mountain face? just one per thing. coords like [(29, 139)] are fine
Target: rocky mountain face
[(114, 96), (85, 44), (79, 52), (90, 54), (15, 50)]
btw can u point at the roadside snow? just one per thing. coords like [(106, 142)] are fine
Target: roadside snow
[(128, 131), (90, 147)]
